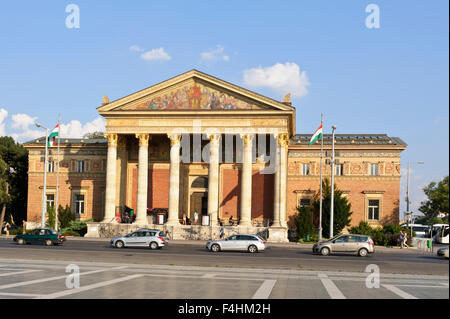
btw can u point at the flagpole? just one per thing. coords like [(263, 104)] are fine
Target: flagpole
[(321, 159), (57, 174)]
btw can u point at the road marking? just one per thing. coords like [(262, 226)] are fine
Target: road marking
[(331, 288), (422, 286), (264, 290), (399, 292), (18, 273), (12, 294), (209, 276), (37, 281), (89, 287)]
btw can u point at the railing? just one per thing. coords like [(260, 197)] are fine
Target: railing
[(424, 244)]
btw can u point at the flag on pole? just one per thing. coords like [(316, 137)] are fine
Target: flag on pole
[(316, 135), (52, 136)]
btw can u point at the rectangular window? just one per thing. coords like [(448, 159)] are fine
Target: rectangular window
[(80, 166), (51, 200), (374, 169), (305, 202), (374, 209), (79, 204), (305, 169), (339, 169), (51, 166)]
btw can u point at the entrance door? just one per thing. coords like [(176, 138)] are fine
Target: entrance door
[(199, 204)]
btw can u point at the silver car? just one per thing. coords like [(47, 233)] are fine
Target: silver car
[(360, 244), (152, 238), (443, 252), (241, 242)]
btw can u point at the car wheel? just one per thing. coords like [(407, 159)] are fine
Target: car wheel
[(325, 251), (362, 252), (20, 241), (48, 242), (215, 248), (153, 245), (119, 244), (252, 249)]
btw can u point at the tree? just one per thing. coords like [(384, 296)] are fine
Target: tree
[(304, 222), (437, 201), (341, 212), (4, 189), (15, 156)]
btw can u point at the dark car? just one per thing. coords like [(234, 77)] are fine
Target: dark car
[(45, 236)]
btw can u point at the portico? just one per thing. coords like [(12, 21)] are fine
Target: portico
[(197, 126)]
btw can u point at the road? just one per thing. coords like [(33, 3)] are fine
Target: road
[(188, 271)]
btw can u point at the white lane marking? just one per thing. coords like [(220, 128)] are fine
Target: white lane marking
[(67, 292), (422, 286), (13, 294), (17, 273), (209, 276), (37, 281), (331, 288), (264, 290), (399, 292), (444, 284)]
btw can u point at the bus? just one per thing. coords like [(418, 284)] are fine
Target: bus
[(442, 235)]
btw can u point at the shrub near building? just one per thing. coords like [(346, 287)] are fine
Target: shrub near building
[(388, 235)]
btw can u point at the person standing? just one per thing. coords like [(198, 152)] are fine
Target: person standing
[(195, 217), (7, 225), (184, 218), (24, 226)]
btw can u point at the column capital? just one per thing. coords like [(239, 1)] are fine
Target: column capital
[(121, 142), (247, 138), (112, 138), (174, 138), (143, 138), (214, 138), (283, 139)]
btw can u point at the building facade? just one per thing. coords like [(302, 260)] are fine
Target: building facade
[(195, 143)]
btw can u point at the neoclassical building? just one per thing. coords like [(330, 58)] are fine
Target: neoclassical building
[(195, 143)]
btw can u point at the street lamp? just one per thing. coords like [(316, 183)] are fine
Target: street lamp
[(407, 195), (333, 128), (44, 206)]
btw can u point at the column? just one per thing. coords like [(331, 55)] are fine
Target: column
[(213, 178), (283, 141), (276, 184), (110, 192), (174, 179), (246, 182), (142, 182)]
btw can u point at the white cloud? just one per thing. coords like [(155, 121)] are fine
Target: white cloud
[(283, 78), (3, 116), (136, 48), (74, 129), (214, 55), (22, 121), (155, 55)]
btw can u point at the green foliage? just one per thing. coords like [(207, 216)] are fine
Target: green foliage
[(437, 202), (363, 229), (65, 216), (71, 233), (379, 237), (389, 234), (15, 156), (80, 227), (50, 217), (393, 229), (304, 222), (342, 210)]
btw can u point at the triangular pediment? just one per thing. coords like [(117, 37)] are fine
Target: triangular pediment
[(194, 91)]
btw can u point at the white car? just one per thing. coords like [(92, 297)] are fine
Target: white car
[(241, 242), (152, 238)]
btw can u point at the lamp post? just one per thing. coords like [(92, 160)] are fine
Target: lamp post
[(44, 206), (407, 195), (333, 128)]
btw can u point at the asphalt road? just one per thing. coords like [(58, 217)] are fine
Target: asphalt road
[(392, 261)]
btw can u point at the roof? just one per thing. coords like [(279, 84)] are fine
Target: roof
[(350, 139), (66, 141)]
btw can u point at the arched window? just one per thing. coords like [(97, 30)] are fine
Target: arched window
[(200, 182)]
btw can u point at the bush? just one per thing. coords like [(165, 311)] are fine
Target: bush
[(71, 233), (79, 227), (379, 237), (304, 222), (65, 216), (362, 229)]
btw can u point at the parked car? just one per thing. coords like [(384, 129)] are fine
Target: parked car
[(241, 242), (360, 244), (45, 236), (152, 238), (443, 252)]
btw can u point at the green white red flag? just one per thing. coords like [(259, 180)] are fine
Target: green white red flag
[(52, 136), (316, 135)]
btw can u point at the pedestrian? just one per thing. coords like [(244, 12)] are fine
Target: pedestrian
[(195, 217), (7, 225), (222, 232), (231, 220), (405, 239), (184, 218), (24, 226)]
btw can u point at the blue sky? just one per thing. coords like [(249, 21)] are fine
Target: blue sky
[(391, 80)]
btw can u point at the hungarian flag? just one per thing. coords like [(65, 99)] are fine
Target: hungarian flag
[(316, 135), (52, 137)]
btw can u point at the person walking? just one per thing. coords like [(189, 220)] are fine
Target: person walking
[(7, 226), (405, 239), (222, 232)]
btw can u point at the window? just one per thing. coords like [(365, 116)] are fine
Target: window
[(305, 202), (374, 169), (51, 167), (305, 169), (80, 166), (342, 239), (79, 204), (374, 208), (339, 169), (51, 200)]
